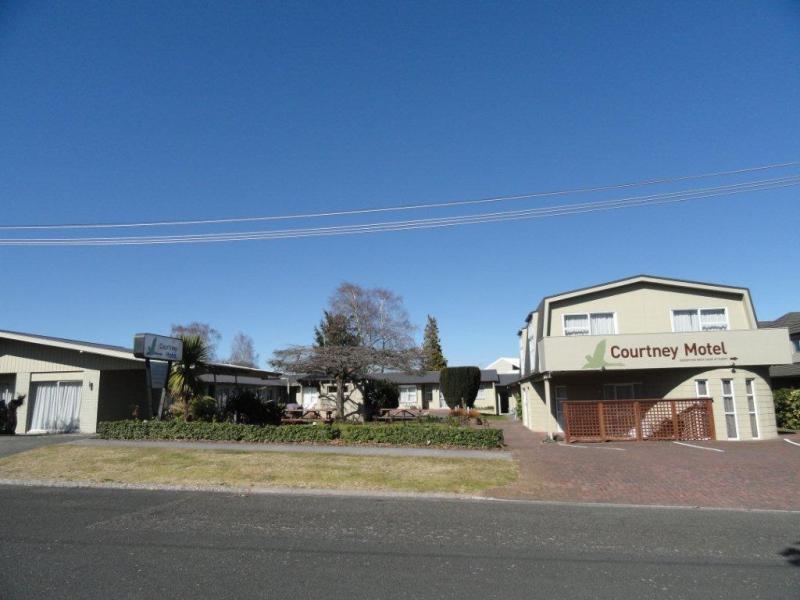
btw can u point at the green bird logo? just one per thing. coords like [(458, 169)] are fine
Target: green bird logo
[(598, 359), (152, 348)]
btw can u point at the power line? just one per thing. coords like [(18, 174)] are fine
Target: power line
[(429, 223), (358, 211)]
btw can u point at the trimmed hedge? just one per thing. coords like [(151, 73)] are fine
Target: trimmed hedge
[(218, 432), (787, 408), (408, 434), (401, 434)]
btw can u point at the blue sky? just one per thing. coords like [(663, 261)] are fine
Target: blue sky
[(118, 111)]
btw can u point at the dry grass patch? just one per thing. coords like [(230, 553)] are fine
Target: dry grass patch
[(258, 469)]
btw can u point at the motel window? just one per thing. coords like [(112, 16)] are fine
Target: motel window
[(796, 344), (750, 387), (532, 355), (408, 395), (701, 385), (702, 319), (729, 406), (589, 324)]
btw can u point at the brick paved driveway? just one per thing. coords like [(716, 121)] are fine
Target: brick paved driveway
[(744, 475)]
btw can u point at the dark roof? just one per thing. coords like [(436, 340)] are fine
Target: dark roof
[(243, 380), (791, 320), (779, 371), (507, 378), (215, 366), (487, 376), (47, 338)]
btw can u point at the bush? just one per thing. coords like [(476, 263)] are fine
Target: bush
[(460, 385), (412, 434), (245, 407), (219, 432), (787, 408), (408, 434), (202, 408), (378, 394)]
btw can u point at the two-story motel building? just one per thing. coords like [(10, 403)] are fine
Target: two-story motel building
[(650, 358)]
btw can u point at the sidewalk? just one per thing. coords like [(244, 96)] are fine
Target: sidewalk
[(302, 449)]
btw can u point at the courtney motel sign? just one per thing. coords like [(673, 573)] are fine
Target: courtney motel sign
[(684, 352), (158, 347)]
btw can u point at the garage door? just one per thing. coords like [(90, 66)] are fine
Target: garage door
[(56, 406)]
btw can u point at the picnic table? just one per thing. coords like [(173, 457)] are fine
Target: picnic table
[(401, 414), (307, 415)]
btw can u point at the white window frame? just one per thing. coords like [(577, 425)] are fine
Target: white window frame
[(699, 312), (532, 355), (588, 316), (406, 388), (697, 388), (751, 395), (733, 404)]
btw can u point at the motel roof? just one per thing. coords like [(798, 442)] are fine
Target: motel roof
[(790, 320), (120, 352)]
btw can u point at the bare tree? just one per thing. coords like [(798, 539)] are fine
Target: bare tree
[(204, 331), (243, 351), (377, 315), (365, 331)]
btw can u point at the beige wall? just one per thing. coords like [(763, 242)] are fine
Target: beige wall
[(33, 363), (647, 308), (670, 384)]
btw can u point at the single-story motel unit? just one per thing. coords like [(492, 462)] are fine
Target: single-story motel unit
[(650, 358), (639, 358), (72, 385)]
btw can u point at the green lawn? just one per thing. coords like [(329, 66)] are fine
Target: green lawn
[(257, 469)]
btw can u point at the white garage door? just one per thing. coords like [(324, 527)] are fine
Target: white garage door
[(56, 406)]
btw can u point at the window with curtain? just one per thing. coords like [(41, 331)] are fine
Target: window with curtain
[(589, 324), (702, 319)]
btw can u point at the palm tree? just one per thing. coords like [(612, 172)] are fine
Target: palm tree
[(184, 378)]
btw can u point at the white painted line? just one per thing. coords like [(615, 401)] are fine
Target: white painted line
[(791, 442), (598, 447), (698, 447)]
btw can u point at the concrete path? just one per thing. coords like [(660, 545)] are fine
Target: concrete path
[(12, 444), (302, 449)]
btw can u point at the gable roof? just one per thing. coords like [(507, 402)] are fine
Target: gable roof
[(641, 278), (117, 351), (790, 320)]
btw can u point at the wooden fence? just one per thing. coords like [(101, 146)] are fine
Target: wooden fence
[(638, 420)]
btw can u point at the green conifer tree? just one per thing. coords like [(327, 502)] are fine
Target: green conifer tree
[(434, 359)]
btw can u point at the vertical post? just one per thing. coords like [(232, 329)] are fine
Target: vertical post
[(567, 432), (674, 406), (164, 391), (602, 421), (712, 433), (637, 415), (149, 379), (548, 405)]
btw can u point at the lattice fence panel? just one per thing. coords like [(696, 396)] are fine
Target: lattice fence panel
[(620, 420), (583, 420), (693, 420), (657, 423)]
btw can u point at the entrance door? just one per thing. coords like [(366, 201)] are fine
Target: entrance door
[(56, 406), (427, 397)]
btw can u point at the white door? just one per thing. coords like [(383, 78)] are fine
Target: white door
[(56, 406), (408, 396), (310, 397)]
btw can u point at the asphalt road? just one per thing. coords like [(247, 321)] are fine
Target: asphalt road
[(63, 543)]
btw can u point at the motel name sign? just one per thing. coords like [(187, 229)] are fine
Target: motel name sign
[(665, 350), (687, 350)]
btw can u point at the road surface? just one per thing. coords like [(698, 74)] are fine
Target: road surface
[(103, 543)]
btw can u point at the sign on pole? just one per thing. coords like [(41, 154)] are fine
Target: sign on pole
[(150, 346), (157, 347)]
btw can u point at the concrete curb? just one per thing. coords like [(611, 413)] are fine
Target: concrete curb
[(289, 491), (301, 448)]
